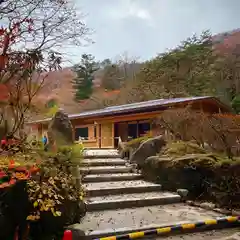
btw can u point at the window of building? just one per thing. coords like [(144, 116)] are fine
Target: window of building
[(95, 131), (143, 128), (81, 133)]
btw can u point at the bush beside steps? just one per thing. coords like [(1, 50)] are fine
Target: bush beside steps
[(38, 193), (208, 176)]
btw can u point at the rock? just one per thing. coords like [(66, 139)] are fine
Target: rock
[(121, 145), (191, 203), (123, 150), (124, 154), (207, 205), (60, 130), (146, 149), (236, 212), (223, 211), (152, 161), (183, 193), (197, 204), (134, 170)]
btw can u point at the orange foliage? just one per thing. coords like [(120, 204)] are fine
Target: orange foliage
[(233, 116), (4, 92), (219, 131), (114, 92)]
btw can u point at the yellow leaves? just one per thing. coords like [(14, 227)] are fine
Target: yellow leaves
[(17, 164), (33, 217), (44, 209), (81, 195), (56, 187), (52, 111), (56, 213)]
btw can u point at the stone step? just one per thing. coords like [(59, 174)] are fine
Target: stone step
[(131, 200), (120, 187), (113, 222), (104, 162), (101, 156), (101, 153), (107, 169), (111, 177)]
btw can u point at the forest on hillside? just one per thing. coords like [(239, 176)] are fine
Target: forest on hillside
[(198, 66)]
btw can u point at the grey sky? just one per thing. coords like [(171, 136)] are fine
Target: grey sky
[(144, 28)]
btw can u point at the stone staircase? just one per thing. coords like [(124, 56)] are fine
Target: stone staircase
[(119, 201)]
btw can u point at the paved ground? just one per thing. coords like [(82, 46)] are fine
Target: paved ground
[(125, 205), (230, 234), (144, 216)]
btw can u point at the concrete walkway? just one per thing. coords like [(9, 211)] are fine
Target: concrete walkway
[(119, 201), (229, 234)]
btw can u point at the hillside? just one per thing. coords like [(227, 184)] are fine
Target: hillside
[(58, 87), (58, 84), (227, 42)]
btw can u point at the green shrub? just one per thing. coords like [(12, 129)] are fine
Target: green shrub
[(137, 141), (209, 176), (53, 198), (236, 103)]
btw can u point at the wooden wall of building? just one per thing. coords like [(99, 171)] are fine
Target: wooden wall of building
[(101, 129)]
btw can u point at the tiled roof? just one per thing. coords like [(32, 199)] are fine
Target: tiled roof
[(134, 107)]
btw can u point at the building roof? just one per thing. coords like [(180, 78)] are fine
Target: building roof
[(136, 107)]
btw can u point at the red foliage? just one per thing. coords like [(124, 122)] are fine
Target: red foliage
[(4, 91), (11, 164), (12, 174), (8, 37)]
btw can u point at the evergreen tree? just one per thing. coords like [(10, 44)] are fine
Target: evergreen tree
[(236, 104), (83, 81)]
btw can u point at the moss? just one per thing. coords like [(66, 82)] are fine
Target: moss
[(181, 148), (137, 141), (210, 176)]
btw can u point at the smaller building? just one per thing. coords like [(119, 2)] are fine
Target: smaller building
[(102, 128)]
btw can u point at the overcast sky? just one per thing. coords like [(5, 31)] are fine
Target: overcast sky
[(144, 28)]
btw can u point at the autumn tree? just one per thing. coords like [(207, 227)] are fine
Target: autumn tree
[(32, 36), (120, 72), (236, 104), (228, 75), (83, 83), (186, 70), (111, 78)]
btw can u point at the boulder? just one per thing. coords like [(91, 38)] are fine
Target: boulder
[(146, 149), (122, 149), (182, 192), (207, 205), (60, 130), (152, 160)]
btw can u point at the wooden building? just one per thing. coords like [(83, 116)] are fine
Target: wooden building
[(102, 128)]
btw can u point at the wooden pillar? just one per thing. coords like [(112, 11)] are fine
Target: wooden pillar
[(137, 130)]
